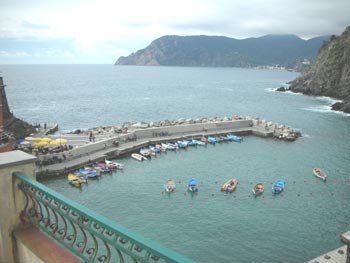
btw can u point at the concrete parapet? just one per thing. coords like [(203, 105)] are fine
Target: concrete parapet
[(11, 198)]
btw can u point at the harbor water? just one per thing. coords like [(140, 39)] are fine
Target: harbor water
[(304, 221)]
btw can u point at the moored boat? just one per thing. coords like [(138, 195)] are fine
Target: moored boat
[(211, 139), (114, 164), (204, 139), (230, 185), (258, 189), (169, 146), (320, 174), (234, 138), (278, 187), (74, 180), (197, 142), (88, 173), (192, 185), (154, 149), (138, 157), (169, 186)]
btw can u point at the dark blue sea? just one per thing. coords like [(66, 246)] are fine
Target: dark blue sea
[(210, 226)]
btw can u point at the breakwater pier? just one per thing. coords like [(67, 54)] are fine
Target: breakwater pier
[(115, 141)]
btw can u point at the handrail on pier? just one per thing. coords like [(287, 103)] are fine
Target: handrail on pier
[(88, 235)]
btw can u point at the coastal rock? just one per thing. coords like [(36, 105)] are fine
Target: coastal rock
[(330, 74), (281, 89)]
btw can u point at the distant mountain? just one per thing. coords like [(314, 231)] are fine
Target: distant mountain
[(330, 74), (217, 51)]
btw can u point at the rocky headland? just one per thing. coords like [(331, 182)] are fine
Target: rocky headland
[(271, 51), (329, 75)]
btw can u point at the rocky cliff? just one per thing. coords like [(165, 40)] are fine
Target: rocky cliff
[(218, 51), (329, 75)]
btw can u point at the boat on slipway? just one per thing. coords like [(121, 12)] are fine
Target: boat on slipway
[(169, 186), (230, 185), (320, 174)]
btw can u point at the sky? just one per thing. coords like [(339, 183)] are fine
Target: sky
[(100, 31)]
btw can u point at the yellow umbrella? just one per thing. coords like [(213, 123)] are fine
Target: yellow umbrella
[(61, 140), (37, 139), (39, 144), (54, 142), (46, 139)]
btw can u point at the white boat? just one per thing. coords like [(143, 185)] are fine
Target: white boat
[(198, 142), (169, 146), (138, 157), (117, 165), (169, 186), (320, 174)]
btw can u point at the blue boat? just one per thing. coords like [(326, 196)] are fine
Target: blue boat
[(234, 138), (88, 173), (181, 144), (211, 139), (193, 185), (154, 149), (196, 142), (277, 187)]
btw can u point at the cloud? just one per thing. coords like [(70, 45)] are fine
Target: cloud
[(95, 28)]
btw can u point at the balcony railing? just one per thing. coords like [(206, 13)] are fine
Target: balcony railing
[(88, 235)]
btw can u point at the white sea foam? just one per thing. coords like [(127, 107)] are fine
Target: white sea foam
[(325, 109)]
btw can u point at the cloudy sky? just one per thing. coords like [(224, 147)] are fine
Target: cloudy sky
[(99, 31)]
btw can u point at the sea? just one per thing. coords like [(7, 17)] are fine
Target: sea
[(302, 222)]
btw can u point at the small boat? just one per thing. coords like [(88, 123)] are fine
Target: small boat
[(102, 167), (204, 139), (186, 142), (169, 186), (92, 169), (230, 185), (74, 180), (162, 149), (146, 152), (197, 142), (277, 187), (114, 164), (320, 174), (181, 144), (258, 189), (154, 149), (169, 146), (88, 173), (192, 185), (138, 157), (234, 138), (211, 139)]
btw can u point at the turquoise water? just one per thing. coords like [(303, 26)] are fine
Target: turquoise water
[(210, 226)]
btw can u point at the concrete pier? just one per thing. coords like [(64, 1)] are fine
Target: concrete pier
[(113, 145)]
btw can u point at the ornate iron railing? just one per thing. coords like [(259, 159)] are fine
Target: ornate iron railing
[(88, 235)]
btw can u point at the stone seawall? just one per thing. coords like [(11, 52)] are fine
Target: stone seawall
[(116, 144)]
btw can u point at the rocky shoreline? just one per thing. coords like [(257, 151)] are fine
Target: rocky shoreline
[(278, 131)]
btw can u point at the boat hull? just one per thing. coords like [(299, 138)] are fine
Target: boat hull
[(320, 174), (230, 185)]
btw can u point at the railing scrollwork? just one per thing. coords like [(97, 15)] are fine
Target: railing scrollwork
[(88, 235)]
